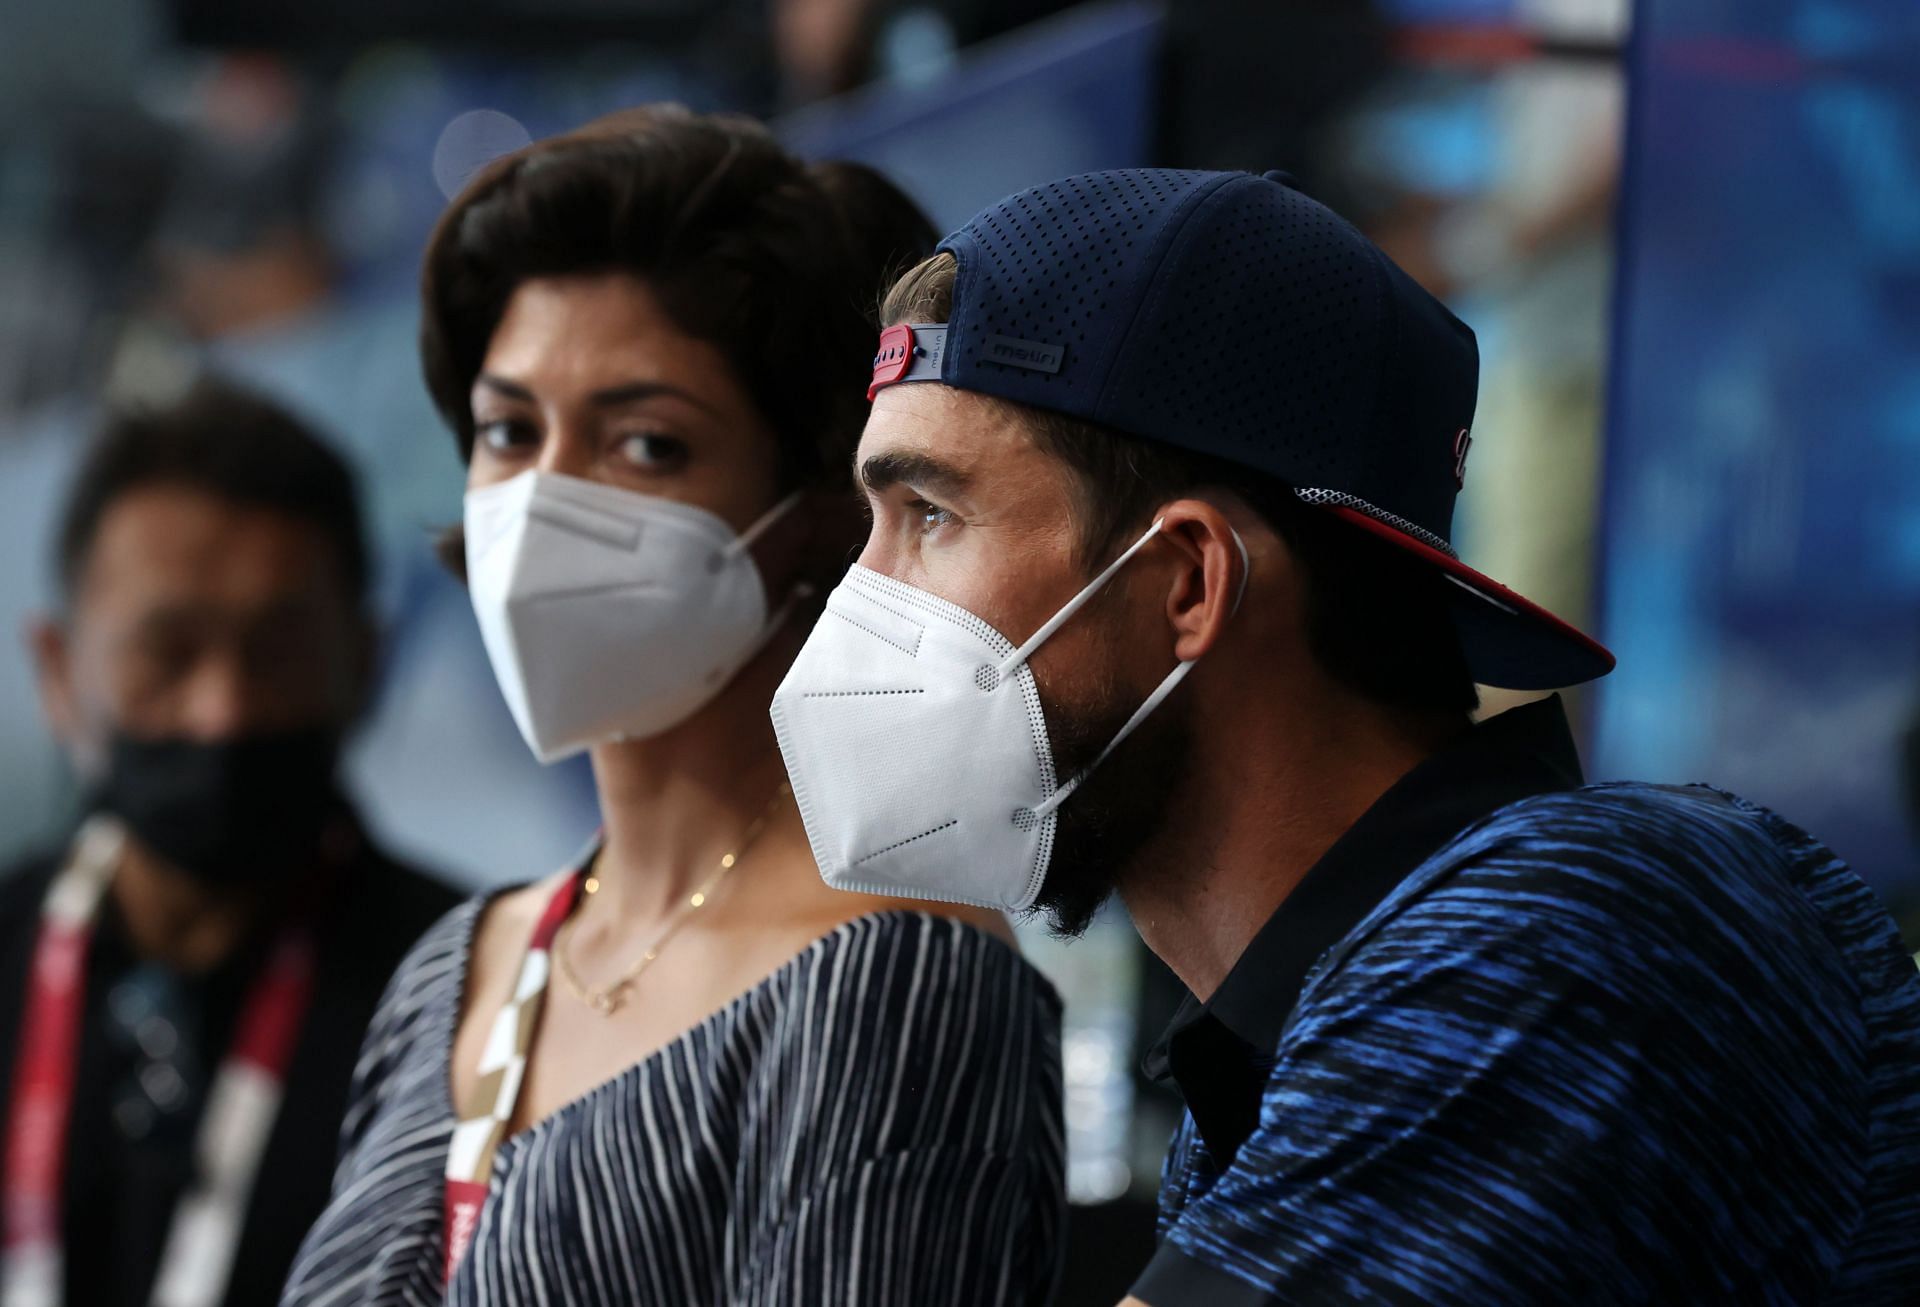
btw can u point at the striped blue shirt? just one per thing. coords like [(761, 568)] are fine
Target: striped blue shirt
[(1619, 1043)]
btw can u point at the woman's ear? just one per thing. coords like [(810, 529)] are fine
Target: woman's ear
[(1207, 587), (450, 547)]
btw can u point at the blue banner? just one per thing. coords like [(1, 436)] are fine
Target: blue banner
[(1761, 542)]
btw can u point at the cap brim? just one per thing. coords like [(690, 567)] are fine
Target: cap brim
[(1509, 641)]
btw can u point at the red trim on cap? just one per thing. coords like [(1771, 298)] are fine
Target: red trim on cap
[(1480, 584), (895, 356)]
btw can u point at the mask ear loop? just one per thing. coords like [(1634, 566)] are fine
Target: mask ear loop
[(797, 595), (762, 525), (1160, 693), (801, 592), (1075, 604)]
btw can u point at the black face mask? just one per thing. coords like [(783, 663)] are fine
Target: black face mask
[(231, 811)]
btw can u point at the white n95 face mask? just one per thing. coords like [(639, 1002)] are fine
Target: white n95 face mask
[(609, 614), (917, 748)]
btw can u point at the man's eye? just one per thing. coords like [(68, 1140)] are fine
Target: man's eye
[(653, 453), (929, 517), (168, 656), (503, 435)]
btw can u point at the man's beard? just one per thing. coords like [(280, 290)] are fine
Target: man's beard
[(1118, 811)]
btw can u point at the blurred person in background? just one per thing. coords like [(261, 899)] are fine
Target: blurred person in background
[(1246, 81), (649, 336), (247, 266), (1161, 557), (824, 48), (239, 245), (183, 989)]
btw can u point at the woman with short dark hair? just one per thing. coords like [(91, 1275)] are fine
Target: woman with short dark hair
[(682, 1070)]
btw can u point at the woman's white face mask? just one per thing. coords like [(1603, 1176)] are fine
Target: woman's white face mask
[(609, 614)]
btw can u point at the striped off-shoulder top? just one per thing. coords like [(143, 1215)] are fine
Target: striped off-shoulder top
[(878, 1121)]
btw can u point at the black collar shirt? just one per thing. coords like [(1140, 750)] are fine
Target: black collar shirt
[(1516, 1039), (1219, 1053), (125, 1170)]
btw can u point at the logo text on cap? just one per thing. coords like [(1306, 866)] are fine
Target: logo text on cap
[(1029, 354), (1462, 443)]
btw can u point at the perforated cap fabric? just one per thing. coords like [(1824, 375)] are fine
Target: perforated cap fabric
[(1235, 316)]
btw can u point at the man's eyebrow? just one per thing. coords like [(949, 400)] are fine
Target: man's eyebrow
[(920, 470)]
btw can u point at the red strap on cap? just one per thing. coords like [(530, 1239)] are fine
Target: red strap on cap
[(895, 356)]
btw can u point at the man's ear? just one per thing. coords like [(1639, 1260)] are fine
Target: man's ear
[(50, 649), (1207, 588)]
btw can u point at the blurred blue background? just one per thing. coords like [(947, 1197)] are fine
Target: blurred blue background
[(1761, 539)]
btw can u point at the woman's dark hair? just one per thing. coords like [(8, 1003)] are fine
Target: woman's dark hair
[(779, 264), (1378, 620)]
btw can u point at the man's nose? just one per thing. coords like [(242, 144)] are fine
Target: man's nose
[(879, 553), (221, 701)]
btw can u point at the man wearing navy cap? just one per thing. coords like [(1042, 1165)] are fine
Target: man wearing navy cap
[(1462, 1029)]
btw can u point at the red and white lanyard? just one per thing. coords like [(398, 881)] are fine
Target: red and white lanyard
[(503, 1065), (239, 1114)]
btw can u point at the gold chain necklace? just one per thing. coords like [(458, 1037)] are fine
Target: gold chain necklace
[(608, 999)]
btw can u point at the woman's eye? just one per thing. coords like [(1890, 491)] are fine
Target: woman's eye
[(653, 453), (503, 435), (929, 517)]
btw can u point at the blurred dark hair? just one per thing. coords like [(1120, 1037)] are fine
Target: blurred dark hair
[(778, 263), (230, 443), (1378, 620)]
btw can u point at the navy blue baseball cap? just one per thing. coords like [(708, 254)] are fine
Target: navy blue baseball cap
[(1235, 316)]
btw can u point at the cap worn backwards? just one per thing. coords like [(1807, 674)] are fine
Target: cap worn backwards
[(1235, 316)]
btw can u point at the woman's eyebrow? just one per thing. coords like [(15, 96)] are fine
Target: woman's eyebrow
[(635, 390), (606, 397), (511, 389)]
